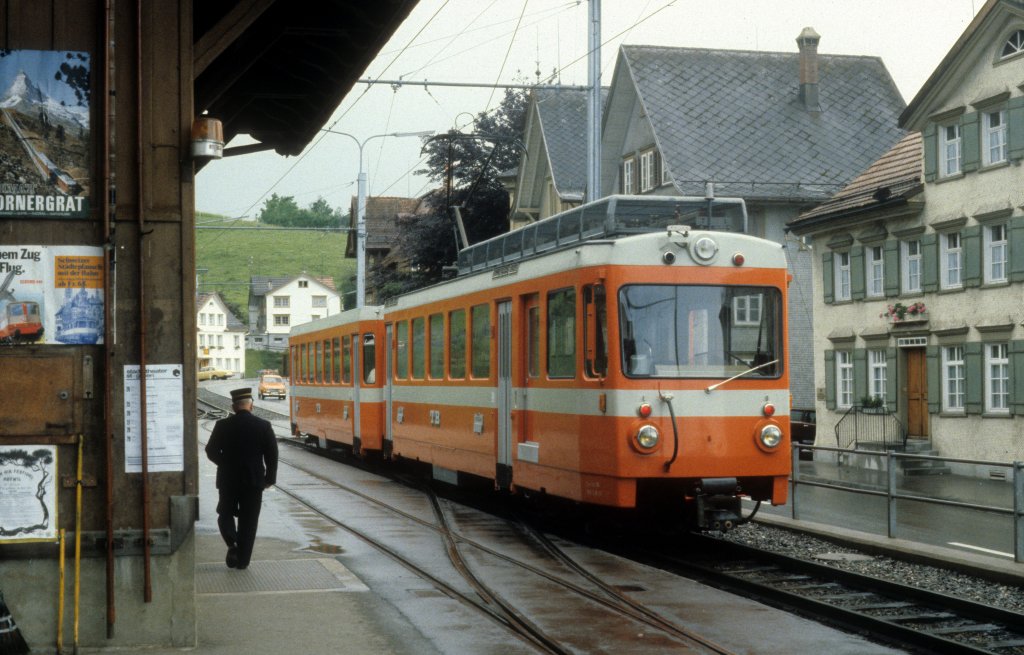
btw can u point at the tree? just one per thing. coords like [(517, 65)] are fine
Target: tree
[(284, 211), (467, 169)]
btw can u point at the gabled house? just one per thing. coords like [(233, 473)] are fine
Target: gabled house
[(783, 131), (276, 304), (921, 261), (553, 177), (381, 225), (220, 338)]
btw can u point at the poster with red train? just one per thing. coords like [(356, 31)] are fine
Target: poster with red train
[(51, 295)]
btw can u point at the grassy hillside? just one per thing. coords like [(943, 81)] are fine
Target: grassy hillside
[(231, 257)]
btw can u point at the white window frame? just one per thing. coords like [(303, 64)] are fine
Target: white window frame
[(996, 253), (627, 175), (997, 378), (911, 269), (647, 170), (746, 310), (842, 276), (202, 340), (319, 301), (953, 381), (951, 260), (1013, 46), (844, 379), (202, 318), (282, 302), (303, 284), (281, 320), (877, 373), (875, 271), (994, 142), (950, 150)]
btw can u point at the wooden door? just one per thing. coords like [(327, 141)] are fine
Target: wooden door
[(917, 393)]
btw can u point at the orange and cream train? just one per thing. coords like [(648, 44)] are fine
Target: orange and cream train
[(621, 354)]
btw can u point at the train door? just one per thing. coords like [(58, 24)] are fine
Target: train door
[(531, 367), (357, 381), (503, 472), (389, 375)]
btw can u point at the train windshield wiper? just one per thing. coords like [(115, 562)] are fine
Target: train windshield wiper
[(739, 375)]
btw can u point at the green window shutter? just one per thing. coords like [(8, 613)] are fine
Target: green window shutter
[(857, 283), (827, 271), (1015, 127), (891, 381), (1016, 249), (892, 268), (972, 256), (930, 262), (974, 377), (930, 136), (934, 364), (860, 374), (1016, 373), (971, 141), (830, 379)]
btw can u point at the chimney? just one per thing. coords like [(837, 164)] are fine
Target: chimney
[(808, 44)]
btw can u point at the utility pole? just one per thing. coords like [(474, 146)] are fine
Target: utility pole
[(594, 103)]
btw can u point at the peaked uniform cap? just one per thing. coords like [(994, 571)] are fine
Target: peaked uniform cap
[(241, 394)]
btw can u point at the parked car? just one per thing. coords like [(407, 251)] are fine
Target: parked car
[(802, 426), (213, 373), (272, 385)]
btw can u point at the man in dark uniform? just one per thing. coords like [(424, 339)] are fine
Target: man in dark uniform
[(244, 448)]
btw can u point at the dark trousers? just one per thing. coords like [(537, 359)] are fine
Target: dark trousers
[(245, 503)]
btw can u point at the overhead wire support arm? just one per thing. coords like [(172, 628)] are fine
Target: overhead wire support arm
[(479, 85)]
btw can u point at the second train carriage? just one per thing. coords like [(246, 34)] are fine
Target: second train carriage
[(610, 355)]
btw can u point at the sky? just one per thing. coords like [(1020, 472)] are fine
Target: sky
[(507, 41)]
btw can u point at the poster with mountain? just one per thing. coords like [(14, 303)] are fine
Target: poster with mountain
[(45, 152)]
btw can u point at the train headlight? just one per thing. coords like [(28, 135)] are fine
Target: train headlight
[(771, 436), (704, 250), (647, 437)]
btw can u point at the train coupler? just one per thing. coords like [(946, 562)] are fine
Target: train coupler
[(717, 504)]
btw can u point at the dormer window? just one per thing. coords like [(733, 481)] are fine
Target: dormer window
[(1014, 45)]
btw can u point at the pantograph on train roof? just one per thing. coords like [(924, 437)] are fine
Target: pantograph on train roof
[(609, 217)]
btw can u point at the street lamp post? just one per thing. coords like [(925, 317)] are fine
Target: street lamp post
[(361, 209)]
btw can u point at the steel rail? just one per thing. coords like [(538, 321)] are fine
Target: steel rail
[(930, 610)]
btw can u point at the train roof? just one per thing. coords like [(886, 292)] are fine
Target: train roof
[(608, 217), (367, 313)]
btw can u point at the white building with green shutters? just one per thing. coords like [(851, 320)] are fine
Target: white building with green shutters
[(921, 261)]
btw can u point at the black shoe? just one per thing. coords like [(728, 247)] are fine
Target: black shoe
[(242, 567), (232, 559)]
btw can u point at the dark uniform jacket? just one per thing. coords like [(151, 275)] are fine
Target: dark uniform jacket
[(244, 449)]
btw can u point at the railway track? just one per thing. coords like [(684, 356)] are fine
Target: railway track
[(891, 612), (570, 577)]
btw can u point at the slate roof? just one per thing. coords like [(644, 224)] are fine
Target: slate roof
[(895, 176), (736, 118), (563, 121)]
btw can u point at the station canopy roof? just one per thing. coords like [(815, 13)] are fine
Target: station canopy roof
[(277, 69)]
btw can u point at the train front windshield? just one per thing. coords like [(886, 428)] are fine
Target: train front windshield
[(677, 331)]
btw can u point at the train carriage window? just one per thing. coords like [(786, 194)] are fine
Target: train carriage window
[(327, 361), (346, 359), (402, 350), (692, 331), (336, 360), (595, 331), (418, 348), (303, 363), (457, 344), (369, 359), (319, 362), (437, 346), (293, 353), (480, 346), (562, 333)]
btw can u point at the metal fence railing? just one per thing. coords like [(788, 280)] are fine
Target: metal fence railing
[(891, 491), (872, 428)]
